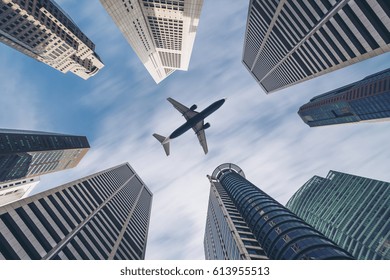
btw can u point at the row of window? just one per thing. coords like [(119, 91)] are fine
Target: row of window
[(53, 218), (267, 216), (356, 92)]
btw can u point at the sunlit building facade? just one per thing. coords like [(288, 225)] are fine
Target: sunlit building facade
[(243, 222), (43, 31), (367, 100), (287, 42), (14, 190), (352, 211), (161, 32), (102, 216)]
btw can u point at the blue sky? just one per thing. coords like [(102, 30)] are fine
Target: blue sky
[(121, 107)]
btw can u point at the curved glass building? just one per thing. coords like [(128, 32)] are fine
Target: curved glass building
[(274, 230), (353, 211)]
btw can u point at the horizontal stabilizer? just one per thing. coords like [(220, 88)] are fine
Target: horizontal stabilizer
[(164, 141)]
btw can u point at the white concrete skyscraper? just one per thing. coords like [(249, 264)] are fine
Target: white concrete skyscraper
[(161, 32), (43, 31)]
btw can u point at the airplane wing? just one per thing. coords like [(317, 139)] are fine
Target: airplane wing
[(201, 135), (186, 112)]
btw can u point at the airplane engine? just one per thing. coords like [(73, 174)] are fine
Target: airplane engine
[(206, 125), (193, 107)]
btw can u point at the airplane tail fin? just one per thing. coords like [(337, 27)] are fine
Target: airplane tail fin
[(163, 142)]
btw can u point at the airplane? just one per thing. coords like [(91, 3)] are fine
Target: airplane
[(194, 120)]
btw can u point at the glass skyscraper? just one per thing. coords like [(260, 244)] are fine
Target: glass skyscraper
[(101, 216), (365, 100), (43, 31), (243, 222), (290, 41), (227, 236), (352, 211), (25, 154)]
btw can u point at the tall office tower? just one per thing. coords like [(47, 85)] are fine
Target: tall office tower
[(287, 42), (14, 190), (365, 100), (26, 154), (101, 216), (43, 31), (227, 236), (352, 211), (248, 213), (161, 32)]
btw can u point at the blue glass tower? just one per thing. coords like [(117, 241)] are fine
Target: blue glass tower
[(279, 232), (365, 100), (352, 211)]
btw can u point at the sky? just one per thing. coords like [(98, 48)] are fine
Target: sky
[(121, 107)]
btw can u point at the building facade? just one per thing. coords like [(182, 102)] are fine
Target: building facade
[(43, 31), (161, 32), (14, 190), (26, 154), (287, 42), (362, 101), (352, 211), (101, 216), (253, 225), (227, 236)]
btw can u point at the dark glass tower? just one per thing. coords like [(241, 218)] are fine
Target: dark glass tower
[(25, 154), (290, 41), (273, 230), (101, 216), (352, 211), (365, 100)]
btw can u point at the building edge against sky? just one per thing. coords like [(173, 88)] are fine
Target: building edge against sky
[(43, 31), (161, 33), (102, 216), (325, 35), (25, 155), (367, 100), (248, 212), (352, 211)]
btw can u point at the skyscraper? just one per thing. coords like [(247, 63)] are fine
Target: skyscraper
[(352, 211), (287, 42), (365, 100), (101, 216), (26, 154), (14, 190), (43, 31), (243, 222), (161, 32)]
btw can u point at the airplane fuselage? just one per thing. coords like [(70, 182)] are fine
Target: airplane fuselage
[(197, 118)]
